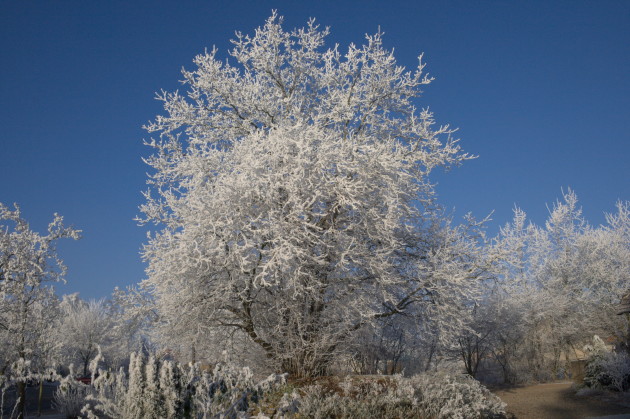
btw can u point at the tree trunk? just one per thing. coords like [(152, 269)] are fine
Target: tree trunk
[(21, 392), (86, 362), (39, 397), (307, 365)]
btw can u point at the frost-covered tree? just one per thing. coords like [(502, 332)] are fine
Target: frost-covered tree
[(28, 265), (560, 285), (454, 267), (132, 315), (291, 184), (84, 326), (604, 254)]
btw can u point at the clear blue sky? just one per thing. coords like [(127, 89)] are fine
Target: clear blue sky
[(539, 89)]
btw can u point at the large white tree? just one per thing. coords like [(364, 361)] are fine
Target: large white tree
[(291, 184)]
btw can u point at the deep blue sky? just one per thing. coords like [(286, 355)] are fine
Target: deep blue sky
[(539, 89)]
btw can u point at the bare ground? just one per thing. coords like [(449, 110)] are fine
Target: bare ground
[(559, 401)]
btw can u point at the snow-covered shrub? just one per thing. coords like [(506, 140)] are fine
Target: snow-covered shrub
[(109, 398), (617, 368), (163, 389), (387, 398), (70, 397), (456, 396), (230, 391), (594, 374), (173, 388), (227, 389), (118, 394), (606, 369), (430, 395)]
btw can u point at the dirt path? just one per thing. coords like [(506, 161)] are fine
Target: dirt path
[(557, 401)]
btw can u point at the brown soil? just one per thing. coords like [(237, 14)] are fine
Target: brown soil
[(559, 401)]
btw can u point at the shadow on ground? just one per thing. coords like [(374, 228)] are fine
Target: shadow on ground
[(559, 401)]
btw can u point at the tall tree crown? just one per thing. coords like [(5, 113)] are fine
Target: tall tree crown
[(292, 185)]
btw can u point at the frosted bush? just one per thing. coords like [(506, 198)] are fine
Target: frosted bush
[(289, 404), (616, 366), (456, 396), (593, 372), (606, 369), (109, 399), (226, 390), (431, 395), (163, 389), (389, 398), (70, 397)]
